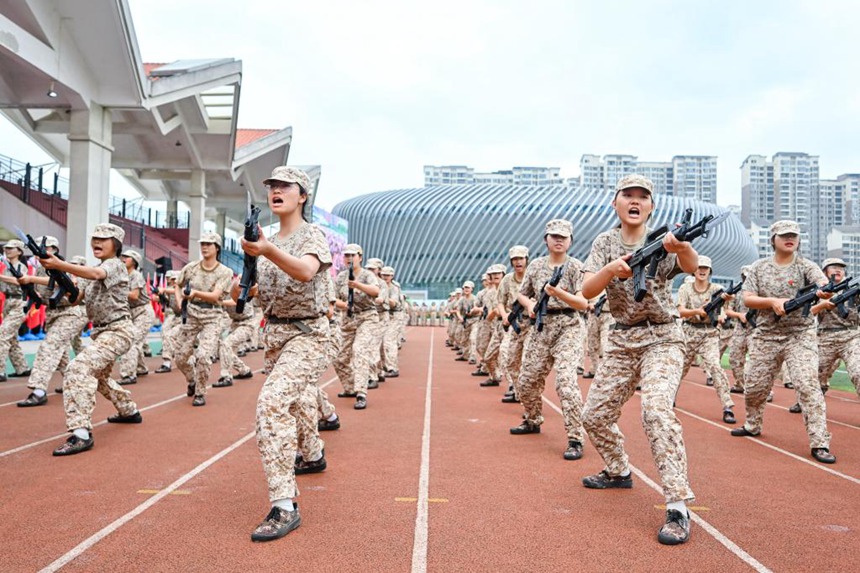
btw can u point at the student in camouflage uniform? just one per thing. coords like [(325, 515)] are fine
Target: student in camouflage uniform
[(63, 325), (511, 348), (646, 348), (132, 365), (466, 315), (838, 336), (701, 336), (494, 325), (377, 367), (481, 331), (328, 418), (210, 282), (291, 282), (791, 339), (106, 299), (559, 344), (13, 311), (737, 311), (172, 322), (391, 336), (241, 329), (354, 363)]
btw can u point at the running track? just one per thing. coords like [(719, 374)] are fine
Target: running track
[(426, 479)]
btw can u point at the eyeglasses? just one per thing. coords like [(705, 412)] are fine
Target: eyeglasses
[(278, 186)]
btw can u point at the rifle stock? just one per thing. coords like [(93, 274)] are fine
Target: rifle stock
[(543, 302), (350, 293), (184, 307), (598, 306)]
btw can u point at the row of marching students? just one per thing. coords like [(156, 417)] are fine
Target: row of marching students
[(645, 345)]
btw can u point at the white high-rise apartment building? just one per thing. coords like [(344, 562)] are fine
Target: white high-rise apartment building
[(693, 176), (463, 175)]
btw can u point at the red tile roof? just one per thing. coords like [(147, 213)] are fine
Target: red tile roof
[(148, 67), (246, 136)]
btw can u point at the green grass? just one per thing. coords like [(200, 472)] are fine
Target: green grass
[(839, 380)]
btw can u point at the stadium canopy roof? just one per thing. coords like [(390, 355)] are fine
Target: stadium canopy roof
[(168, 119)]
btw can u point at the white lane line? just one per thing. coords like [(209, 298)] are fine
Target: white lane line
[(102, 423), (110, 528), (772, 405), (710, 529), (119, 522), (815, 465), (419, 545)]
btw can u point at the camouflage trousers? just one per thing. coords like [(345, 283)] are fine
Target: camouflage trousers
[(286, 407), (493, 351), (62, 326), (836, 345), (255, 335), (240, 332), (378, 363), (391, 343), (77, 347), (798, 350), (484, 332), (512, 355), (402, 318), (169, 335), (725, 339), (142, 319), (738, 353), (90, 372), (196, 364), (353, 365), (13, 316), (597, 333), (706, 343), (559, 345), (652, 357)]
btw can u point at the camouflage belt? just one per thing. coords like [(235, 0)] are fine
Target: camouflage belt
[(699, 324), (568, 311), (203, 304), (282, 320), (108, 323)]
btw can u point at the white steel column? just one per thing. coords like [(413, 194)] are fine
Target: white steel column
[(197, 205), (89, 179)]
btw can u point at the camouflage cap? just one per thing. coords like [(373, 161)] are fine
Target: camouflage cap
[(387, 271), (469, 284), (78, 260), (635, 180), (705, 261), (458, 291), (518, 251), (497, 269), (784, 227), (485, 277), (374, 264), (132, 254), (14, 244), (833, 261), (108, 231), (290, 175), (49, 241), (210, 237), (352, 249), (171, 275), (558, 227)]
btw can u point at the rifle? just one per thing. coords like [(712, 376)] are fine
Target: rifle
[(57, 279), (29, 292), (598, 306), (842, 298), (350, 293), (644, 261), (184, 307), (714, 307), (808, 294), (514, 316), (752, 317), (249, 263), (544, 298), (485, 312)]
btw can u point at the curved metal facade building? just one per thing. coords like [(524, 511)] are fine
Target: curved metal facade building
[(437, 237)]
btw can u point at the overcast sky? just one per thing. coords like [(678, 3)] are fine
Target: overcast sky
[(374, 90)]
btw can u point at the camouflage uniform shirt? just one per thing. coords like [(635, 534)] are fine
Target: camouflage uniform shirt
[(767, 279), (206, 281), (657, 306), (107, 299), (690, 299), (361, 302), (136, 281)]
